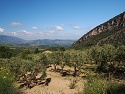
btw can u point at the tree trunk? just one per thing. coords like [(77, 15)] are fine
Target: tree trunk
[(55, 67), (75, 71)]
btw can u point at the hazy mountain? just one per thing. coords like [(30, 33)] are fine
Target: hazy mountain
[(10, 40), (45, 42), (112, 31)]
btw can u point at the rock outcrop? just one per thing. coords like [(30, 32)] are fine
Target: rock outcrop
[(114, 23)]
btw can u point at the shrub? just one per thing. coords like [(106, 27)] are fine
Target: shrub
[(101, 86), (115, 88), (94, 86), (6, 82)]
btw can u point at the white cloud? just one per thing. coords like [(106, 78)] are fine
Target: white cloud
[(14, 33), (26, 33), (58, 28), (1, 30), (52, 31), (76, 27), (15, 24), (35, 28)]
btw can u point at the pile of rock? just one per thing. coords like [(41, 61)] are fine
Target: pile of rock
[(30, 80)]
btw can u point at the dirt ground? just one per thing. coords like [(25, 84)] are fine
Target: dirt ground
[(58, 85)]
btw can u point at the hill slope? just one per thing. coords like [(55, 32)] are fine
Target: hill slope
[(9, 40), (111, 31)]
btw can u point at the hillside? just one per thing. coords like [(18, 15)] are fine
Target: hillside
[(4, 39), (111, 31)]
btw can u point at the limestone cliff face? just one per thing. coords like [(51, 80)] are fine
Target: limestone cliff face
[(114, 23)]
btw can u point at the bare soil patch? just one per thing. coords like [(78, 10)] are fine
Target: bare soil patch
[(58, 85)]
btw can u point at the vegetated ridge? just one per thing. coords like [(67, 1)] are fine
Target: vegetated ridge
[(112, 31)]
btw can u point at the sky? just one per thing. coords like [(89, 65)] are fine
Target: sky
[(55, 19)]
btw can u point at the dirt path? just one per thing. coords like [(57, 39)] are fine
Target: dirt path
[(58, 85)]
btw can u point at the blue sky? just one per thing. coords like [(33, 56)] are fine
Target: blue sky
[(55, 19)]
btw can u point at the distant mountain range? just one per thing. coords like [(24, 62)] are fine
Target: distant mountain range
[(10, 40), (47, 42), (112, 32)]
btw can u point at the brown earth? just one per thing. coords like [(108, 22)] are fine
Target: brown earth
[(58, 85)]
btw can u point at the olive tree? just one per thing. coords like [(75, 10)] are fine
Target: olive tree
[(120, 55), (103, 56), (55, 58), (76, 60)]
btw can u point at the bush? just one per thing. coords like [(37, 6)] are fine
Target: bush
[(6, 82), (102, 86), (94, 86), (115, 88), (5, 52)]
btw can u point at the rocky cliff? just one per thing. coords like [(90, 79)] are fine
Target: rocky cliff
[(114, 23)]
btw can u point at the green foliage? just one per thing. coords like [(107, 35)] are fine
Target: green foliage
[(65, 59), (120, 54), (5, 52), (33, 63), (76, 60), (115, 88), (36, 50), (18, 65), (97, 85), (117, 38), (44, 59), (7, 82), (44, 62), (55, 58), (24, 53), (105, 56), (56, 49), (94, 86)]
